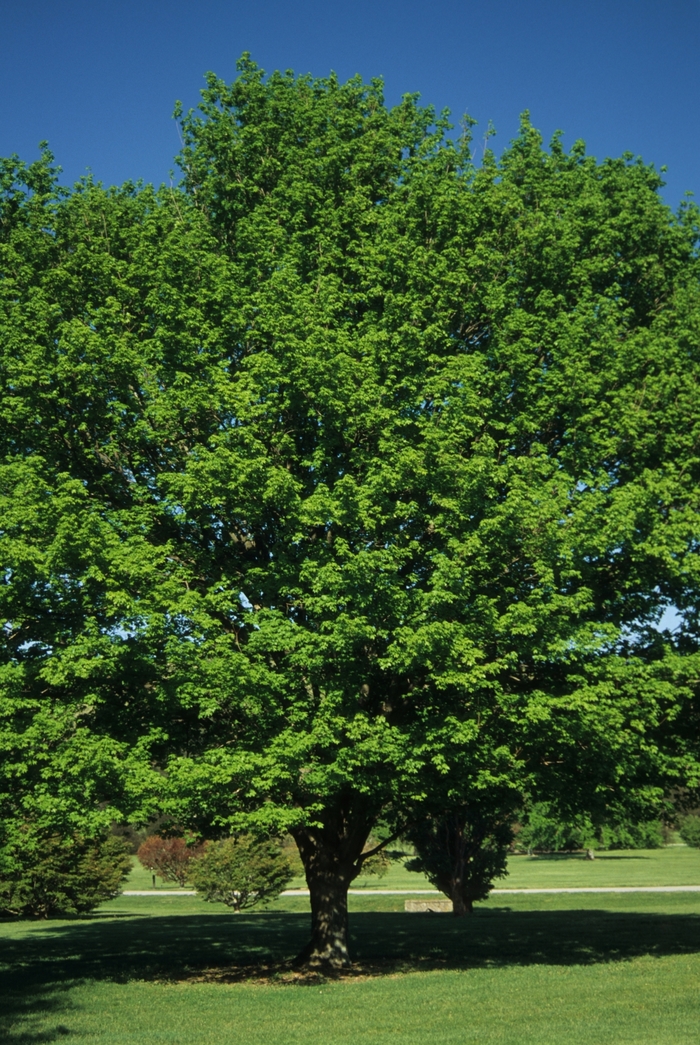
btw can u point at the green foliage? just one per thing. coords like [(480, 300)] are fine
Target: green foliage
[(241, 872), (168, 857), (690, 831), (46, 875), (291, 852), (378, 864), (645, 835), (344, 475), (544, 830)]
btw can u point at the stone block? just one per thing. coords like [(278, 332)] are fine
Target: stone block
[(432, 906)]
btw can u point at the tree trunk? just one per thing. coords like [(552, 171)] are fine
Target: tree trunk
[(329, 945), (461, 905), (331, 857)]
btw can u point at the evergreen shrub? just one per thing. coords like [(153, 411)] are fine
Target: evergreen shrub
[(44, 875)]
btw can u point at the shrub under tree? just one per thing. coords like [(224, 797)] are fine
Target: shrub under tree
[(241, 872), (42, 875)]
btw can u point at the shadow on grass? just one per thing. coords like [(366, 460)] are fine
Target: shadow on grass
[(42, 967), (23, 1015)]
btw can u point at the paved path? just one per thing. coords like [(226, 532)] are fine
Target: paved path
[(159, 892), (611, 889), (502, 892), (434, 892)]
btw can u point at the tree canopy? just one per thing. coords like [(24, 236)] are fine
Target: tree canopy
[(346, 475)]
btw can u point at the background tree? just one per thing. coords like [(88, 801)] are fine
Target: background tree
[(168, 857), (541, 828), (690, 830), (346, 469)]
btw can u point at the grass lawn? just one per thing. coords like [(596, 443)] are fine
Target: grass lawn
[(524, 970), (674, 866), (678, 865)]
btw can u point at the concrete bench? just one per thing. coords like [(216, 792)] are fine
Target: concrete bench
[(434, 906)]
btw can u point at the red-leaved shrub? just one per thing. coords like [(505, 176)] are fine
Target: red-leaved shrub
[(168, 857)]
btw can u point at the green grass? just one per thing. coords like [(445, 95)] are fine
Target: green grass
[(674, 866), (524, 970), (634, 1004)]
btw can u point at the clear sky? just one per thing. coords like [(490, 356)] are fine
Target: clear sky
[(99, 78)]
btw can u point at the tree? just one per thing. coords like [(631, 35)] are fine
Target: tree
[(168, 857), (690, 830), (346, 475), (241, 872), (463, 852)]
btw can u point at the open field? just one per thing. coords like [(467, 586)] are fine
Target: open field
[(524, 970), (674, 866), (678, 865)]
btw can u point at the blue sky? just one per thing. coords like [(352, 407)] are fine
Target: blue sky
[(99, 79)]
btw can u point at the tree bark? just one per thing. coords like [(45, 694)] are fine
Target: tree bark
[(331, 856), (329, 944), (461, 905)]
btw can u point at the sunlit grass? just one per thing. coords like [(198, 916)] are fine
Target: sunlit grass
[(647, 1002), (678, 865)]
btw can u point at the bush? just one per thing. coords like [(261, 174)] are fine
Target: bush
[(46, 874), (378, 864), (241, 872), (168, 857), (293, 857), (690, 831)]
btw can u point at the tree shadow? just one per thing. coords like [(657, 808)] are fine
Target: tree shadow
[(42, 968), (498, 936), (24, 1012), (39, 969)]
